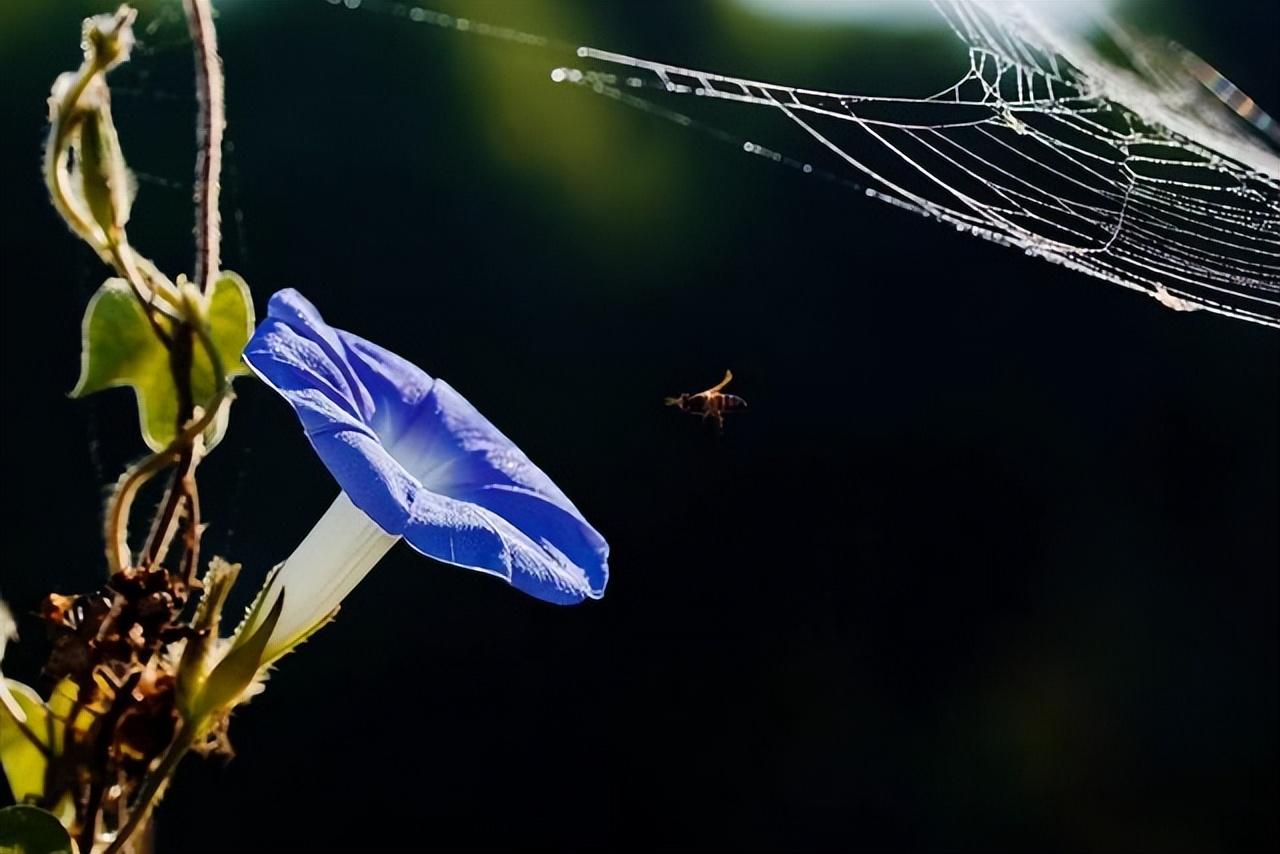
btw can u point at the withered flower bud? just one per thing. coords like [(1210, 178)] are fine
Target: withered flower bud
[(107, 186), (108, 39)]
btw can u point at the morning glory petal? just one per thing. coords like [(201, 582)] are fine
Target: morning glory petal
[(318, 345), (451, 530), (300, 371), (422, 462), (456, 450)]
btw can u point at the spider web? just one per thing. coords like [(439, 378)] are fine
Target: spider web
[(1152, 172)]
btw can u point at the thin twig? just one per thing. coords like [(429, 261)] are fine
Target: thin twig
[(195, 527), (181, 494), (117, 534), (165, 524), (180, 365), (209, 127), (151, 789), (102, 748)]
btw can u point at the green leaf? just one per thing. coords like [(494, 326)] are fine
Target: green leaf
[(30, 830), (64, 706), (119, 348), (26, 744)]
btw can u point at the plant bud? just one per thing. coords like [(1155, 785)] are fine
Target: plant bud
[(107, 187), (197, 657), (83, 166)]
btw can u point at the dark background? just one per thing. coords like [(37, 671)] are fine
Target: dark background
[(990, 563)]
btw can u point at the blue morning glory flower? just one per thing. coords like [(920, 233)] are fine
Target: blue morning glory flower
[(415, 461)]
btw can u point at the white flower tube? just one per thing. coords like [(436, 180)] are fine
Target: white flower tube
[(326, 566)]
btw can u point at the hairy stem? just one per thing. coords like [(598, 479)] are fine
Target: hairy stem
[(116, 526), (209, 126)]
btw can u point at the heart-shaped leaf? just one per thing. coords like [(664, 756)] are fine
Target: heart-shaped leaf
[(120, 348)]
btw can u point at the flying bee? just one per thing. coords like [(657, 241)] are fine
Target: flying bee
[(712, 403)]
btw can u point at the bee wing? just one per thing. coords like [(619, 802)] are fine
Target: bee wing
[(728, 376)]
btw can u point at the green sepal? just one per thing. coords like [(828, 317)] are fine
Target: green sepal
[(26, 829), (254, 613), (120, 348), (253, 617), (194, 665), (237, 671)]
